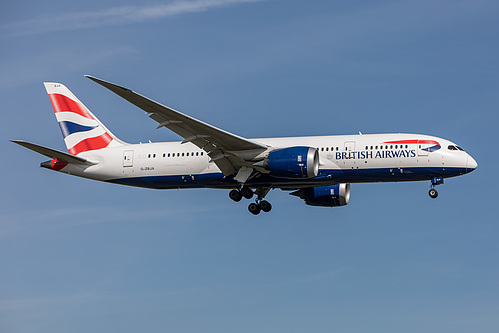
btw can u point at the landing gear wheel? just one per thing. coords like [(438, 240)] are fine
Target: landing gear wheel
[(265, 206), (235, 195), (247, 192), (433, 193), (254, 208)]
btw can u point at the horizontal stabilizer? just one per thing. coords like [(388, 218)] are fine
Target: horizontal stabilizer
[(52, 153)]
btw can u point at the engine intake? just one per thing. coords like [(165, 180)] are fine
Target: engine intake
[(293, 162), (326, 196)]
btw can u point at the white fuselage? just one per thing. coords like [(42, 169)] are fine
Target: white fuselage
[(342, 158)]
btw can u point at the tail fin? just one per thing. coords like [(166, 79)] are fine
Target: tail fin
[(82, 131)]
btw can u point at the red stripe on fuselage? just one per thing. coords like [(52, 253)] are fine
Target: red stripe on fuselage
[(98, 142), (62, 103), (408, 142)]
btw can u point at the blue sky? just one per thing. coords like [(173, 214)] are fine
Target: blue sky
[(80, 256)]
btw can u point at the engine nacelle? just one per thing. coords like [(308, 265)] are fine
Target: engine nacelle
[(293, 162), (326, 196)]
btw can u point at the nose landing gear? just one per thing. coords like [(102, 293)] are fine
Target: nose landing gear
[(434, 182)]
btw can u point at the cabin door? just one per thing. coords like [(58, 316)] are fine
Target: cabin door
[(128, 158), (349, 146)]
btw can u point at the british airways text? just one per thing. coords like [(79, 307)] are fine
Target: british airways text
[(361, 155)]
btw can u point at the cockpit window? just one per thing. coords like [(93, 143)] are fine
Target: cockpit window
[(452, 147)]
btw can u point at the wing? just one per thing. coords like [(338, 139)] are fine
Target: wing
[(230, 152)]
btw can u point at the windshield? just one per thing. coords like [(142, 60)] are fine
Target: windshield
[(453, 147)]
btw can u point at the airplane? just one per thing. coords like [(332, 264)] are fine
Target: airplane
[(317, 169)]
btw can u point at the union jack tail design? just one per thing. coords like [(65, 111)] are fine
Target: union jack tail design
[(82, 131)]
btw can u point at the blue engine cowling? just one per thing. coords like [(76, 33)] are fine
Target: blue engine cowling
[(293, 162), (326, 196)]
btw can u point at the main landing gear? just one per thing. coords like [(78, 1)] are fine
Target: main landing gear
[(255, 208), (434, 182)]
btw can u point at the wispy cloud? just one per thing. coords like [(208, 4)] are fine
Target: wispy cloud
[(32, 221), (112, 16), (40, 66)]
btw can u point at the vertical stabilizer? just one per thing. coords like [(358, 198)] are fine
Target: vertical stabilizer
[(82, 131)]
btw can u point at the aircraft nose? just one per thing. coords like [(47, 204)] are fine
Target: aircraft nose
[(471, 164)]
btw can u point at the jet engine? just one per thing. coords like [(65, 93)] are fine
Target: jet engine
[(326, 196), (293, 162)]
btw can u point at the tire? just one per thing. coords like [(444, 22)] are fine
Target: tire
[(433, 193), (265, 206), (235, 195), (254, 209), (247, 192)]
